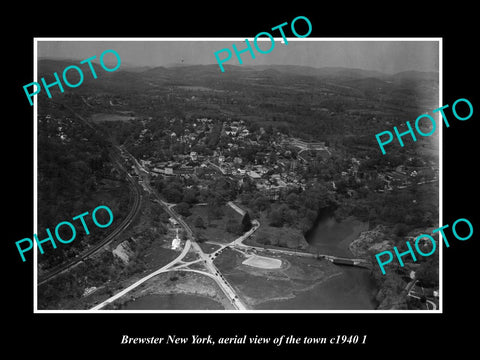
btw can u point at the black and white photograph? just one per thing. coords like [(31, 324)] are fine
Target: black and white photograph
[(216, 180), (258, 186)]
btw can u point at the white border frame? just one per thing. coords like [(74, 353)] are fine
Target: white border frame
[(35, 158)]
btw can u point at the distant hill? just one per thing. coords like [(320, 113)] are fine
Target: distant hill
[(49, 66), (324, 72), (327, 73), (133, 68), (416, 75), (369, 83), (46, 68), (354, 82), (156, 71)]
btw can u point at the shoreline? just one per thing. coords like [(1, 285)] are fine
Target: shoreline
[(186, 283)]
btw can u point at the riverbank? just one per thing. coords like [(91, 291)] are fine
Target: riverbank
[(333, 237), (283, 237), (193, 291), (301, 283)]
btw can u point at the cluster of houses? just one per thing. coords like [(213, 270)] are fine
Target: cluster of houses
[(60, 125), (270, 178), (404, 176)]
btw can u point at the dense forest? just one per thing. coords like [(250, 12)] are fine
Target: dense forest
[(75, 175)]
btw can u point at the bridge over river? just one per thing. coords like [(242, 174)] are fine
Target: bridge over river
[(347, 261), (334, 259)]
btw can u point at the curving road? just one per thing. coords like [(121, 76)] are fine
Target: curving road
[(142, 280), (191, 244), (412, 293), (214, 273)]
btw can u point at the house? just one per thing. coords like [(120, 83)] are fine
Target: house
[(254, 175), (158, 171), (244, 133), (145, 163), (184, 170), (400, 169), (176, 242)]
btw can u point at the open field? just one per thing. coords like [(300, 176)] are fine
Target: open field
[(208, 248), (256, 285), (100, 117), (263, 262), (215, 229)]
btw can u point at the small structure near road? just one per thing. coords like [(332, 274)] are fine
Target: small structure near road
[(176, 242)]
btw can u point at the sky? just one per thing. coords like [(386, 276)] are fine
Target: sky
[(390, 56)]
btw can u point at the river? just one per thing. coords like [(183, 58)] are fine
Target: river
[(354, 289), (332, 238)]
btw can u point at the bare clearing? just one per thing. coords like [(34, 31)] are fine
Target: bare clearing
[(263, 262)]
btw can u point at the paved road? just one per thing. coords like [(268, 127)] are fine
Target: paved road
[(190, 243), (208, 262), (207, 259), (216, 167), (142, 280), (221, 281), (236, 208), (255, 224), (412, 293), (432, 304)]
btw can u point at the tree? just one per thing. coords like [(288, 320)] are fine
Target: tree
[(214, 206), (190, 195), (400, 229), (198, 222), (201, 237), (427, 273), (261, 203), (246, 222), (172, 194), (232, 226), (275, 218), (183, 209), (292, 200)]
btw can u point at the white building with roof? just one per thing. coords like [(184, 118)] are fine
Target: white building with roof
[(176, 242)]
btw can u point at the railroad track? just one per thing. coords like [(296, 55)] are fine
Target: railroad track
[(137, 197)]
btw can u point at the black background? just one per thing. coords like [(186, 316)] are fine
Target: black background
[(410, 335)]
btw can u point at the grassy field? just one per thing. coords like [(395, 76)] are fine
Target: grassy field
[(215, 229), (208, 248), (256, 285), (286, 237)]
